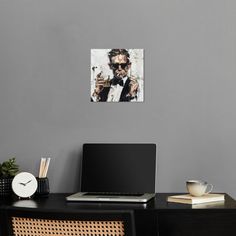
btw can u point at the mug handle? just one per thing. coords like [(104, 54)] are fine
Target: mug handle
[(211, 188)]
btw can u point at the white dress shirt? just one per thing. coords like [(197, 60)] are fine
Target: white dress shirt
[(115, 92)]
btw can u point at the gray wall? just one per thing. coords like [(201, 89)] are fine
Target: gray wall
[(189, 108)]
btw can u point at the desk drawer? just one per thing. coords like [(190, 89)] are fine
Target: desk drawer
[(146, 223), (197, 223)]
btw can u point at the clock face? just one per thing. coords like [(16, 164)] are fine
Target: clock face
[(24, 184)]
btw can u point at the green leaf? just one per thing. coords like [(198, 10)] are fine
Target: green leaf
[(9, 168)]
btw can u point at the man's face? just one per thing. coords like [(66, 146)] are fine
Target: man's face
[(120, 66)]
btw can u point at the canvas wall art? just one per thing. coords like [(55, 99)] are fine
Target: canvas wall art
[(117, 75)]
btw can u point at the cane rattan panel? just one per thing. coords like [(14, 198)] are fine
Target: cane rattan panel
[(44, 227)]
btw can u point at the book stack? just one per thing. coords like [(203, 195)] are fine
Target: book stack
[(188, 199)]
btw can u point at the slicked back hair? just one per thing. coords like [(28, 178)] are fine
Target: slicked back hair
[(115, 52)]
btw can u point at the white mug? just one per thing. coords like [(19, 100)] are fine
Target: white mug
[(198, 188)]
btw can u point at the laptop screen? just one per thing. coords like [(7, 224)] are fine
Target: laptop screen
[(119, 168)]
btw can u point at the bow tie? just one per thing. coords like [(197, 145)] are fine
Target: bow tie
[(118, 81)]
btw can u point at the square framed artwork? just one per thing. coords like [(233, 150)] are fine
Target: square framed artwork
[(117, 75)]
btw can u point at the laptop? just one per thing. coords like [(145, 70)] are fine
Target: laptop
[(117, 173)]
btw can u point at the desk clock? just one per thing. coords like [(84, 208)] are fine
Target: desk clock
[(24, 185)]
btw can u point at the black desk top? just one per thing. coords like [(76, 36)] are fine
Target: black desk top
[(57, 202), (156, 217)]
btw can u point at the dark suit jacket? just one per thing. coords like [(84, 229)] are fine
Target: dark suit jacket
[(123, 97)]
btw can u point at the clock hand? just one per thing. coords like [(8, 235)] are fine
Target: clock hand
[(28, 182), (24, 184)]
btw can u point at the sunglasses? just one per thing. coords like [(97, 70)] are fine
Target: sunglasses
[(122, 65)]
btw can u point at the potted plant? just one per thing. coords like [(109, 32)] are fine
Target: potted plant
[(8, 170)]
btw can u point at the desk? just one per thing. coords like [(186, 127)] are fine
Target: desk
[(170, 219)]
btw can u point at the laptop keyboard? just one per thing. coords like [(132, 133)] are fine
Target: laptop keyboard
[(112, 194)]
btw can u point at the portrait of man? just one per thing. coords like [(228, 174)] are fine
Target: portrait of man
[(117, 75)]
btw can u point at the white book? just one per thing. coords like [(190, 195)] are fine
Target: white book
[(188, 199)]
